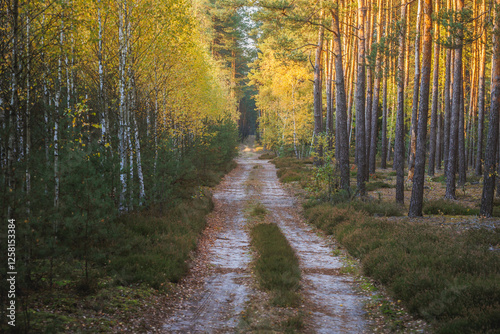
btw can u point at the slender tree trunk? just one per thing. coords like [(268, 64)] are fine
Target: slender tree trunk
[(455, 116), (368, 85), (58, 113), (438, 140), (376, 95), (461, 139), (447, 110), (417, 194), (294, 125), (360, 100), (416, 86), (435, 102), (329, 97), (383, 150), (122, 129), (480, 105), (342, 142), (102, 111), (399, 145), (13, 110), (490, 163), (318, 100)]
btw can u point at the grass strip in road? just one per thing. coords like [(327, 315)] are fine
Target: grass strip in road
[(277, 266)]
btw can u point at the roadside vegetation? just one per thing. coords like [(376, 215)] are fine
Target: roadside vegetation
[(126, 260), (445, 276)]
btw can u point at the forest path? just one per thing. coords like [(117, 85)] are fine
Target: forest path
[(218, 299)]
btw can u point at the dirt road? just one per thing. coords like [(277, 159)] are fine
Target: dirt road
[(216, 303)]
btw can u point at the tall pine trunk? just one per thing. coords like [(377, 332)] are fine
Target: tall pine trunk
[(342, 142), (490, 163), (399, 145), (435, 102), (416, 87), (417, 194), (376, 95), (447, 109), (451, 168), (481, 105), (318, 100), (360, 101)]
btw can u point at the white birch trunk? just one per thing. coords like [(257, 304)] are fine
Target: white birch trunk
[(57, 104), (122, 147), (142, 192), (101, 75)]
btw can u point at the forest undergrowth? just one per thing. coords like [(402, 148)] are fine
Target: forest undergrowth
[(132, 259), (441, 269)]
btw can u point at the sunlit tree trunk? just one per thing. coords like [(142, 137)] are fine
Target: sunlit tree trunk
[(383, 149), (490, 163), (461, 138), (329, 97), (318, 101), (360, 100), (399, 146), (376, 95), (439, 141), (386, 71), (455, 115), (368, 33), (447, 109), (435, 102), (417, 194), (415, 102), (481, 101), (341, 142)]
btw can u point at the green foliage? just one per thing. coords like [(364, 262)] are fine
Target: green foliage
[(374, 185), (376, 207), (326, 175), (277, 266), (258, 211), (294, 170), (446, 207), (449, 279), (154, 248), (440, 178)]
